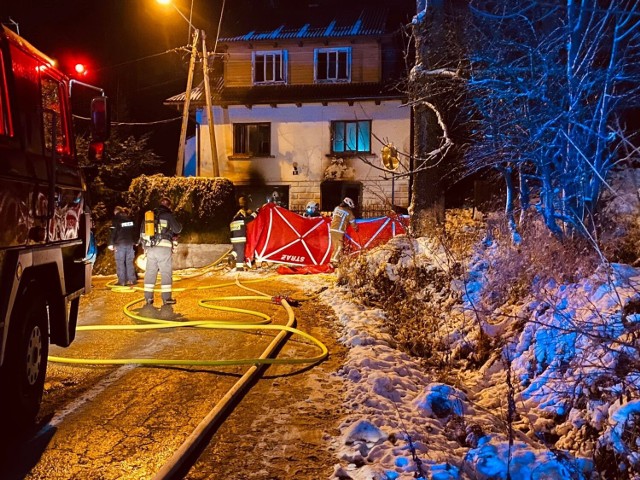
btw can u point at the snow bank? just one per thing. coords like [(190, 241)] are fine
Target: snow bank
[(570, 351)]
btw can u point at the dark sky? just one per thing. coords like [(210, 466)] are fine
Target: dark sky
[(119, 39), (124, 44)]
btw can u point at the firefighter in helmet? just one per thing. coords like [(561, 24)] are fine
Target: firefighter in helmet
[(342, 217), (159, 250), (238, 229), (311, 210)]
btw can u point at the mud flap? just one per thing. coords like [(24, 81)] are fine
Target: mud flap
[(88, 270)]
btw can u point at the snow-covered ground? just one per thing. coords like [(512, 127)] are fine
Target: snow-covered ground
[(573, 376)]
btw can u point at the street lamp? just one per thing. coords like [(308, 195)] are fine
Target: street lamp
[(188, 20), (185, 111)]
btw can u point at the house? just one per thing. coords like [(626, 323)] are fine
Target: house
[(305, 99)]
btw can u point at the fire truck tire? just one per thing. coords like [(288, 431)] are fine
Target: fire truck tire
[(25, 367)]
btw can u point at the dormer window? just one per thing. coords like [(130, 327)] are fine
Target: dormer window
[(269, 67), (332, 64)]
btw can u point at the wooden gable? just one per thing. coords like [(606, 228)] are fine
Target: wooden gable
[(365, 61)]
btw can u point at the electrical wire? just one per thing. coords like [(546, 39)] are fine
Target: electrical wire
[(155, 122), (215, 45)]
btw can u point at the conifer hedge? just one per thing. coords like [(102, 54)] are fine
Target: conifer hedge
[(204, 206)]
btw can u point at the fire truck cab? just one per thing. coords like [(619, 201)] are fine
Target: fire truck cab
[(44, 222)]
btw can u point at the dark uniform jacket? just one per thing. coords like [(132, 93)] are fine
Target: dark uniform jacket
[(123, 230), (238, 226)]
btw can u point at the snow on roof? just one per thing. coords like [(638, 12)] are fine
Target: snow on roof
[(366, 22)]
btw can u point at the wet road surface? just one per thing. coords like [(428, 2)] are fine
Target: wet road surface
[(126, 421)]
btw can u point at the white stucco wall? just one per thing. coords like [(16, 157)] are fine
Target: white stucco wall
[(302, 135)]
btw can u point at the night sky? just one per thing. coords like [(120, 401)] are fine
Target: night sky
[(123, 43)]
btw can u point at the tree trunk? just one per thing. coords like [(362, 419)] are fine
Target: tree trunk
[(510, 200), (427, 196)]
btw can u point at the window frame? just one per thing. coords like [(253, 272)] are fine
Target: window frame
[(334, 124), (246, 142), (58, 112), (283, 66), (6, 124), (329, 50)]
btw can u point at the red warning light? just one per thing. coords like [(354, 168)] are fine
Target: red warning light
[(81, 69)]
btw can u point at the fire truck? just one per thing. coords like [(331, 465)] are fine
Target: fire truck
[(45, 222)]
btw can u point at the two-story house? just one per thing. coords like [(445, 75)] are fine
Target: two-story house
[(304, 108)]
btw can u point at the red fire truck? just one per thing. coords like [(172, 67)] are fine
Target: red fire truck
[(44, 220)]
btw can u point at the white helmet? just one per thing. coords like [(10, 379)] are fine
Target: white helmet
[(311, 205), (349, 203)]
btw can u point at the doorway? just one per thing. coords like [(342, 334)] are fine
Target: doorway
[(333, 192)]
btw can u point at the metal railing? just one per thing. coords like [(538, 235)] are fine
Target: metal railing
[(370, 211)]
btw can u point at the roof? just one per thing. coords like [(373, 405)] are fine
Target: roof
[(322, 24), (280, 94)]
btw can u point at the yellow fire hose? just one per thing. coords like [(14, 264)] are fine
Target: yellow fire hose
[(152, 323)]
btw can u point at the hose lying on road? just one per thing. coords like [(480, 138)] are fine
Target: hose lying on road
[(153, 323)]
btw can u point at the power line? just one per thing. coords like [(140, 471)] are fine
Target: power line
[(134, 124), (215, 45), (129, 62)]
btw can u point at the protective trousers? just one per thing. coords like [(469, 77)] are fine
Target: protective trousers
[(238, 253), (124, 256), (238, 241), (336, 240), (158, 259)]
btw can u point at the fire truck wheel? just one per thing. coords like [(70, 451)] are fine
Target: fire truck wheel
[(23, 373)]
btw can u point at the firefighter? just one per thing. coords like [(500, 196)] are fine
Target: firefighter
[(124, 236), (238, 229), (340, 220), (159, 250), (311, 210)]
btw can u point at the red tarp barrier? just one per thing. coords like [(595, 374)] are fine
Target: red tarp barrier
[(374, 231), (278, 235)]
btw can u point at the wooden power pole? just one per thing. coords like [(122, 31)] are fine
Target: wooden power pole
[(187, 100), (207, 89)]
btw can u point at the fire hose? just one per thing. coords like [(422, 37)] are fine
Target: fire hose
[(263, 324)]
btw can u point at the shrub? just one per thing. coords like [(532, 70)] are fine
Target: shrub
[(204, 206), (516, 270)]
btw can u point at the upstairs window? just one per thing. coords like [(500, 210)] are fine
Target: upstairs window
[(351, 136), (252, 139), (332, 64), (269, 67)]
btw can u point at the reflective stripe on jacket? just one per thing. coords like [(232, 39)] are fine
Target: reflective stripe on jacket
[(238, 226), (341, 218)]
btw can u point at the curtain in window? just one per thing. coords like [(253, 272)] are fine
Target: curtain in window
[(364, 137), (351, 136)]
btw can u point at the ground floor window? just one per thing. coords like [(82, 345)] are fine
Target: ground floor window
[(252, 139), (258, 195), (351, 136)]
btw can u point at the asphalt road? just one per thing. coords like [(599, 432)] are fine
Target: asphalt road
[(126, 421)]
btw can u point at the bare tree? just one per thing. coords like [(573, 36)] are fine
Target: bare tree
[(434, 90), (549, 81)]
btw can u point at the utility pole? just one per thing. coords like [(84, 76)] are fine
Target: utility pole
[(207, 90), (187, 100)]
